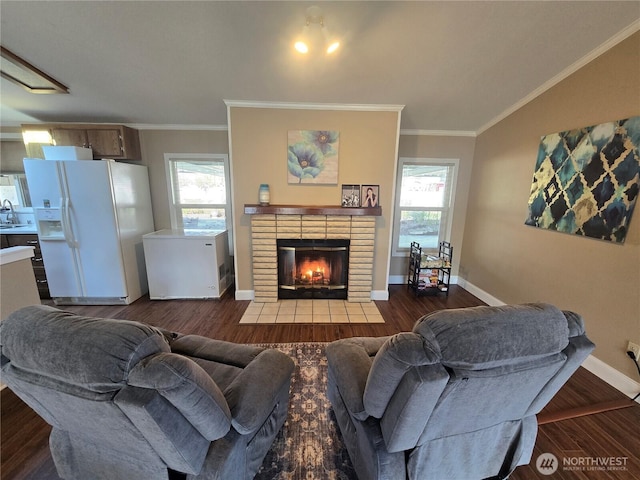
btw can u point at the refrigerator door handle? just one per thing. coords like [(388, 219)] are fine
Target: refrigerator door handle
[(66, 223), (65, 205)]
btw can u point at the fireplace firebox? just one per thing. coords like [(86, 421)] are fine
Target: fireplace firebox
[(313, 268)]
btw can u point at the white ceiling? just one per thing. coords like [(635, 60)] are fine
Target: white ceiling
[(456, 66)]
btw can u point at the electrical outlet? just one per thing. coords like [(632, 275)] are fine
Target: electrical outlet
[(635, 348)]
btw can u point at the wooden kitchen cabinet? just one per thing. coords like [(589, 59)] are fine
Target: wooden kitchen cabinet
[(106, 141), (30, 240), (111, 143), (69, 136)]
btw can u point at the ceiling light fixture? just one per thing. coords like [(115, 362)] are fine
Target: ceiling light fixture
[(314, 17), (21, 72)]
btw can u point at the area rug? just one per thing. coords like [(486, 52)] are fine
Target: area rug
[(309, 446)]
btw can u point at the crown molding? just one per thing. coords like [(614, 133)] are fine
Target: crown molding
[(139, 126), (224, 128), (595, 53), (154, 126), (439, 133), (10, 137), (314, 106)]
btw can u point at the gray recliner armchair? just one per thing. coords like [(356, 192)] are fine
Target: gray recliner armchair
[(130, 401), (457, 397)]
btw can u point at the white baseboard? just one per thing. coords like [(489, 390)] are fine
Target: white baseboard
[(402, 280), (481, 294), (380, 295), (613, 377), (244, 295)]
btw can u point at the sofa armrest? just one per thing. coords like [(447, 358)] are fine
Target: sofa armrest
[(575, 323), (255, 391), (188, 387), (349, 361), (172, 436)]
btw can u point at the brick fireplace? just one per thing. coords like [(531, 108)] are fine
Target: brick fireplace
[(270, 223), (313, 268)]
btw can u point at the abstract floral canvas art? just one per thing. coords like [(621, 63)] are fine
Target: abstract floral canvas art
[(312, 156), (586, 181)]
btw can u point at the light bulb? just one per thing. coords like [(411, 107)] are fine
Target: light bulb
[(330, 41), (333, 47), (302, 42), (301, 47)]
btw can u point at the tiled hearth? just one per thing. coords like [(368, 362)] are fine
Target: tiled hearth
[(312, 311), (267, 228)]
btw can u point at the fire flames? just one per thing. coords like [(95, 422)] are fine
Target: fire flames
[(313, 272)]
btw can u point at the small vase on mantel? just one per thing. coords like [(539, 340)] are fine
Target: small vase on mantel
[(263, 195)]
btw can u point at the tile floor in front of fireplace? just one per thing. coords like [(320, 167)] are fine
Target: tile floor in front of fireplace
[(312, 311)]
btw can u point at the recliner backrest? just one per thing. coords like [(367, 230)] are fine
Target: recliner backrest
[(91, 353), (114, 383), (498, 358), (469, 369)]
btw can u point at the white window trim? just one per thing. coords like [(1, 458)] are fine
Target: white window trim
[(446, 235), (169, 157)]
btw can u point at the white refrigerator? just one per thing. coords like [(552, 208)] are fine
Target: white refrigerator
[(91, 216)]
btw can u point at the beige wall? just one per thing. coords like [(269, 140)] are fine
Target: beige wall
[(155, 143), (11, 154), (518, 263), (367, 155), (440, 147)]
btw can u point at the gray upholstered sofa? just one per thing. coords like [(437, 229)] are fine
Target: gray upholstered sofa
[(457, 397), (129, 401)]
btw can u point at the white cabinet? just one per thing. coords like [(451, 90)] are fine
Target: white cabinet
[(181, 264), (18, 288)]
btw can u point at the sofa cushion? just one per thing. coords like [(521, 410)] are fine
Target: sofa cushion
[(223, 361), (92, 352)]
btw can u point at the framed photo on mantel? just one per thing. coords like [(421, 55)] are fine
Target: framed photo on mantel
[(350, 196), (370, 196)]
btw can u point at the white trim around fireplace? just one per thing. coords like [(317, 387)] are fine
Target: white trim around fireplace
[(381, 295)]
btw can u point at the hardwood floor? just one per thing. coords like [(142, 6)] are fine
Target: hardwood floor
[(588, 439)]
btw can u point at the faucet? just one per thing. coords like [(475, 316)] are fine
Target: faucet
[(11, 217)]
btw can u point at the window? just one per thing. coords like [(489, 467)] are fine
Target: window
[(198, 191), (424, 202), (13, 187)]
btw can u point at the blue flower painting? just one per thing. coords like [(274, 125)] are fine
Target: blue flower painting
[(312, 156)]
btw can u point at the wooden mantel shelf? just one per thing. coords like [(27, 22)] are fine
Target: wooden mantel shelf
[(311, 210)]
